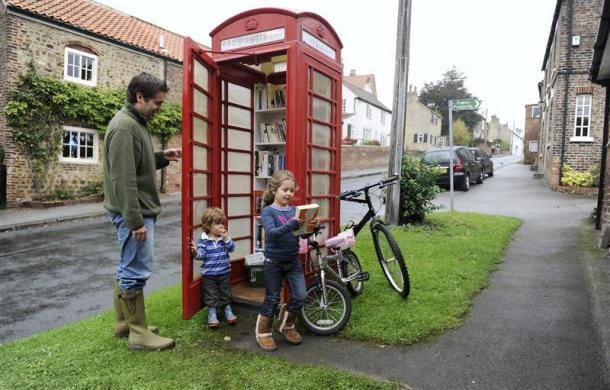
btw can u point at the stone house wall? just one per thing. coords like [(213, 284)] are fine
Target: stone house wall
[(26, 39)]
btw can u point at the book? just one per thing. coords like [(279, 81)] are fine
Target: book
[(306, 212)]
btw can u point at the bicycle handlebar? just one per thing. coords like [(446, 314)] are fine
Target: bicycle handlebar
[(346, 195)]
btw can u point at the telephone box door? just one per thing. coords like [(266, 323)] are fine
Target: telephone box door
[(200, 129)]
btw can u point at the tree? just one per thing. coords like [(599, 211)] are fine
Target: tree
[(461, 135), (436, 96)]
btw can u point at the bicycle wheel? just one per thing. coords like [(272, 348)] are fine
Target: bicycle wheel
[(330, 319), (350, 265), (390, 258)]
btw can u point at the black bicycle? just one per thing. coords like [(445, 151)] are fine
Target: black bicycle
[(386, 248)]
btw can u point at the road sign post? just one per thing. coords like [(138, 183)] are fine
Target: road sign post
[(457, 105)]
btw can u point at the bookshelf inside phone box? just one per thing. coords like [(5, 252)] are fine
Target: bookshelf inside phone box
[(266, 97)]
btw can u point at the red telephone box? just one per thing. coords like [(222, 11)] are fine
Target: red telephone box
[(267, 97)]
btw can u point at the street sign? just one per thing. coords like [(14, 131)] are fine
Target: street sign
[(465, 104)]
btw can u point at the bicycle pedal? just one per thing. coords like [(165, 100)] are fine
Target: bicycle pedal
[(363, 277)]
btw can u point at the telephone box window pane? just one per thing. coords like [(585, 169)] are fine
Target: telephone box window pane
[(239, 162), (322, 84), (238, 184), (201, 103), (239, 227), (198, 207), (239, 95), (239, 140), (321, 109), (239, 117), (324, 206), (200, 158), (239, 205), (321, 134), (201, 75), (200, 184), (200, 130), (321, 160), (320, 184), (242, 248)]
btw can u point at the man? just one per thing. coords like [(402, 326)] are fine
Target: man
[(132, 201)]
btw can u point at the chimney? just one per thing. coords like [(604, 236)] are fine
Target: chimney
[(352, 72), (161, 41)]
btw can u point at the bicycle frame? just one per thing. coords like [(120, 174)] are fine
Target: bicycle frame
[(370, 215)]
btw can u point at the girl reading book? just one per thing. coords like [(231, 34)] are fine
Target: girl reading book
[(281, 261)]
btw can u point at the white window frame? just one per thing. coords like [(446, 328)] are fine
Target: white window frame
[(583, 103), (79, 160), (420, 138), (75, 52), (366, 134), (539, 111), (382, 117), (369, 111)]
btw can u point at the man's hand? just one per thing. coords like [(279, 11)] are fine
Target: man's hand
[(172, 154), (139, 233)]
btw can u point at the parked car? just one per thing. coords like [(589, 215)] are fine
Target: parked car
[(485, 160), (465, 168)]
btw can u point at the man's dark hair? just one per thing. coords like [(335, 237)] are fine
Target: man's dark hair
[(147, 84)]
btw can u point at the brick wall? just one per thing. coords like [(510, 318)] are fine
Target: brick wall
[(356, 158), (25, 40), (531, 133), (554, 137)]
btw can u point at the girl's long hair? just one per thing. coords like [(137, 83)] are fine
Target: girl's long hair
[(274, 183)]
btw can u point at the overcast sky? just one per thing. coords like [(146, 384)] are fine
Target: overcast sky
[(498, 45)]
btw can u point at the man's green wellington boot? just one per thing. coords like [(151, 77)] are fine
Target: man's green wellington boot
[(140, 338), (120, 327)]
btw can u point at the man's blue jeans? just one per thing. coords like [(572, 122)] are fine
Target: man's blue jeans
[(275, 272), (136, 262)]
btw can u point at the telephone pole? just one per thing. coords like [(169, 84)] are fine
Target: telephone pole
[(399, 108)]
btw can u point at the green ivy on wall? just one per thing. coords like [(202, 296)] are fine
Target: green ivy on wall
[(40, 105)]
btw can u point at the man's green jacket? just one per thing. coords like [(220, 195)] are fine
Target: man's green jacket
[(129, 168)]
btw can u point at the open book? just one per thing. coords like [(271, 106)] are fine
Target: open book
[(306, 212)]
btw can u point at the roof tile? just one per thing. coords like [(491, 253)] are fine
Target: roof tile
[(105, 21)]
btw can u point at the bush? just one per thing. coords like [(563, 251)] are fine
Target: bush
[(372, 142), (417, 190), (574, 178), (94, 188)]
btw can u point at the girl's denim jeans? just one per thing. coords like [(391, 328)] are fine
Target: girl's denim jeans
[(136, 262), (275, 272)]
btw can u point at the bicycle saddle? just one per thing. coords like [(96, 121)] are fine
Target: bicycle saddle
[(342, 240)]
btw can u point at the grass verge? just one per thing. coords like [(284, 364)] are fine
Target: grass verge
[(449, 262)]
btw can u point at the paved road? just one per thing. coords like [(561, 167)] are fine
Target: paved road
[(59, 274)]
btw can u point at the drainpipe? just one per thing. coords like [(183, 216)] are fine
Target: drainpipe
[(602, 168), (163, 140), (567, 85)]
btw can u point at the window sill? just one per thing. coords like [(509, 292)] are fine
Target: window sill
[(75, 161), (92, 83), (582, 139)]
